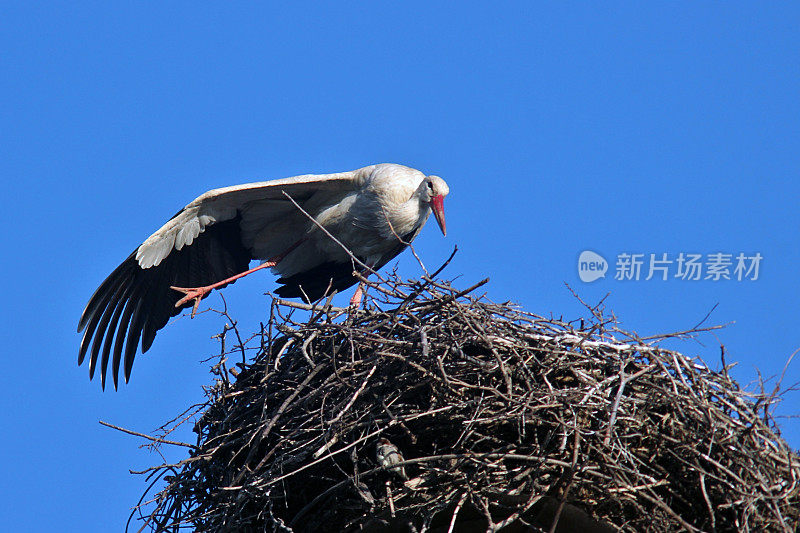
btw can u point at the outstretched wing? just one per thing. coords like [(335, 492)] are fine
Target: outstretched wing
[(133, 303), (209, 240)]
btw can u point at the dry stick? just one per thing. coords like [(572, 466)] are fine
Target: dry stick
[(708, 501), (182, 463), (501, 364), (326, 308), (355, 396), (307, 307), (287, 344), (622, 382), (680, 334), (427, 280), (447, 262), (259, 436), (657, 501), (423, 341), (780, 380), (637, 488), (404, 243), (571, 477), (139, 504), (233, 326), (443, 457), (304, 348), (148, 437), (486, 512), (329, 490), (377, 286), (406, 462), (430, 306), (592, 309), (328, 233), (534, 497), (390, 497), (355, 443), (455, 512)]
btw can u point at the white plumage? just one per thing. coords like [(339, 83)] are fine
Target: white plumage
[(212, 240)]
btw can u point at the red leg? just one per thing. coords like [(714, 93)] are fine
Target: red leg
[(198, 293), (355, 301)]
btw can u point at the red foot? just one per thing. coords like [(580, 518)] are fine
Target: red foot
[(198, 293), (192, 293)]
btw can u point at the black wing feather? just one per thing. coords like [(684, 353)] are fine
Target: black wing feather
[(133, 303), (329, 277), (95, 322), (107, 343), (313, 284)]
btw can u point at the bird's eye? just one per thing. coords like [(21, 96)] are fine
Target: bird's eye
[(430, 186)]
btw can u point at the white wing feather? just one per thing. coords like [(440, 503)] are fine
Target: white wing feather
[(263, 205)]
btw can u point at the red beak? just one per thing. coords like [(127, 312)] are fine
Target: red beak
[(437, 205)]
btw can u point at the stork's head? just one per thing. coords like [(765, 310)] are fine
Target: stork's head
[(432, 191)]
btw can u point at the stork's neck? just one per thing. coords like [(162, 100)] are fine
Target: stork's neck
[(413, 213)]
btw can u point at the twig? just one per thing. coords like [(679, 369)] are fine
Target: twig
[(455, 512), (144, 436), (328, 233)]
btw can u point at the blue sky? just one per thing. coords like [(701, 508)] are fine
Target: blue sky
[(560, 127)]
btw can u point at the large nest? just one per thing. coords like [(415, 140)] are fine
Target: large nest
[(505, 419)]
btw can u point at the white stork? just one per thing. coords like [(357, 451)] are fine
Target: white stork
[(374, 212)]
